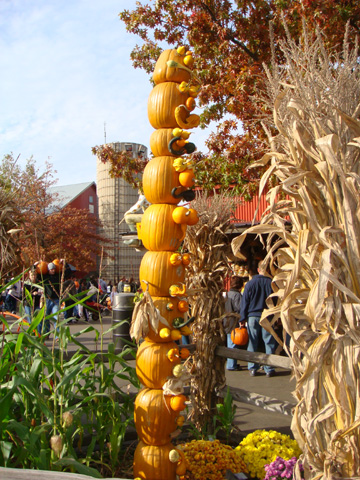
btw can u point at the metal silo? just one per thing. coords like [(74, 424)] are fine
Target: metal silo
[(115, 197)]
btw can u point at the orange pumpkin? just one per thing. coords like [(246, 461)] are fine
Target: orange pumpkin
[(192, 217), (186, 259), (157, 271), (187, 178), (185, 216), (152, 462), (240, 336), (152, 365), (190, 103), (42, 268), (169, 314), (179, 215), (183, 306), (154, 419), (184, 353), (175, 259), (159, 179), (58, 265), (177, 402), (162, 102), (159, 231), (159, 142), (164, 73)]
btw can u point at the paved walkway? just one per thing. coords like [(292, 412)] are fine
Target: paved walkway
[(248, 417)]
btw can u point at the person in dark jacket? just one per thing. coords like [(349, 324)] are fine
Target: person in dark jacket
[(32, 296), (256, 291), (51, 282), (232, 304)]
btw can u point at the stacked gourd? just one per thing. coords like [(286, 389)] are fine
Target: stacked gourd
[(166, 179)]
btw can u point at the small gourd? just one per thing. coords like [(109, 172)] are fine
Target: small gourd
[(173, 355), (175, 335), (175, 259), (177, 290), (177, 402), (186, 259), (186, 330), (187, 178), (183, 306), (184, 353)]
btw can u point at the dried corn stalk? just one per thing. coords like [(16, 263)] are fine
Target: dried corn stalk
[(208, 245), (315, 158), (8, 229)]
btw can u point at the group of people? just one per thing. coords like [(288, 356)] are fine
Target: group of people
[(248, 302), (57, 288)]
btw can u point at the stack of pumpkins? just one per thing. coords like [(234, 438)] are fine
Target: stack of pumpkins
[(167, 178)]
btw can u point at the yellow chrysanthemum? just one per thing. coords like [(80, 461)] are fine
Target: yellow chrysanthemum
[(261, 447)]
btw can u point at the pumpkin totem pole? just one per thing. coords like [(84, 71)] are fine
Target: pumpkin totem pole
[(161, 317)]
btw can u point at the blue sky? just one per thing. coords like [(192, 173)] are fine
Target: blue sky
[(65, 71)]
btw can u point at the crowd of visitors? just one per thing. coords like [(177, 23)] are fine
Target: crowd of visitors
[(59, 288)]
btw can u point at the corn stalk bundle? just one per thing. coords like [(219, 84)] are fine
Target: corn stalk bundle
[(8, 226), (208, 245), (316, 261)]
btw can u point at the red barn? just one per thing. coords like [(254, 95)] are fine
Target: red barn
[(79, 195)]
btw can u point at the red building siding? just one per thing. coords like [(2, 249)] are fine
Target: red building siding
[(245, 211), (82, 201)]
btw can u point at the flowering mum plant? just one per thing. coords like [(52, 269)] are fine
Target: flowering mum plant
[(280, 468), (209, 460), (262, 447)]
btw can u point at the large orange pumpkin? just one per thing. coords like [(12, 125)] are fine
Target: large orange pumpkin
[(159, 231), (164, 73), (168, 310), (159, 142), (159, 273), (152, 364), (159, 179), (42, 268), (162, 102), (58, 265), (152, 462), (240, 336), (154, 419)]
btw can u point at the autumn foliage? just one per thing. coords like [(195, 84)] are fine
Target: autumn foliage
[(38, 228), (230, 42)]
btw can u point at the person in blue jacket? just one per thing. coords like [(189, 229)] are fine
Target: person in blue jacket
[(253, 302)]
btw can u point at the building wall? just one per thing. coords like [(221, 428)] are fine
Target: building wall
[(87, 200), (115, 197)]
